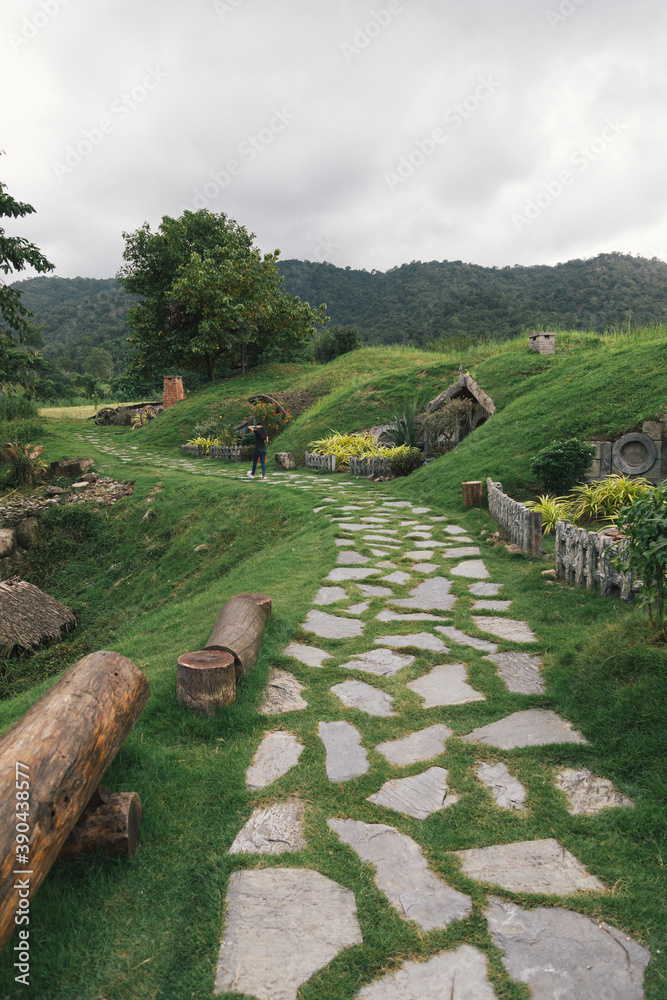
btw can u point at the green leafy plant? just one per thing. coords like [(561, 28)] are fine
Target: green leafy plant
[(443, 425), (552, 509), (347, 446), (404, 460), (273, 419), (562, 464), (205, 443), (644, 524), (407, 430), (25, 465), (602, 499)]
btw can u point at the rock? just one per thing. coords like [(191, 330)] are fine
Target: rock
[(71, 466), (285, 460), (341, 573), (508, 791), (419, 554), (26, 532), (54, 491), (90, 477), (417, 796), (329, 595), (416, 616), (514, 549), (563, 954), (310, 655), (424, 567), (357, 609), (429, 595), (276, 755), (381, 662), (402, 874), (330, 627), (422, 745), (272, 830), (491, 605), (537, 866), (587, 795), (7, 542), (550, 573), (485, 589), (282, 694), (348, 558), (420, 640), (445, 685), (463, 639), (356, 694), (454, 529), (370, 591), (459, 974), (397, 577), (532, 728), (459, 553), (281, 926), (520, 672), (346, 758), (474, 568), (505, 628)]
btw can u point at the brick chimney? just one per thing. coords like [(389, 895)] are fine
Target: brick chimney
[(173, 390)]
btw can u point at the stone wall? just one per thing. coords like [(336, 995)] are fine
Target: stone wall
[(639, 453), (520, 525), (584, 559), (545, 343)]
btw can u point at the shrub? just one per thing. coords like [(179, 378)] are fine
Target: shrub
[(603, 499), (347, 446), (25, 465), (206, 428), (332, 343), (552, 509), (407, 431), (274, 420), (204, 442), (442, 426), (404, 460), (562, 464), (644, 523)]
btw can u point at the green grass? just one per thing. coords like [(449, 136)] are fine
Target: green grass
[(151, 927)]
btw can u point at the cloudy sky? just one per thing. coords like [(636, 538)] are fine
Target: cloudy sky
[(367, 134)]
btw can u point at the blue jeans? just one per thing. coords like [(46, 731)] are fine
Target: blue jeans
[(261, 455)]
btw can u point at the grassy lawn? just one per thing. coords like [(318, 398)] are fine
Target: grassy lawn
[(151, 927)]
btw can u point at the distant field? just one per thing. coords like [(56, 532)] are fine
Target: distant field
[(76, 412)]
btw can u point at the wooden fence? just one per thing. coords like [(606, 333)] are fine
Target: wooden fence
[(369, 466), (327, 462), (520, 525), (192, 449), (583, 559), (232, 453)]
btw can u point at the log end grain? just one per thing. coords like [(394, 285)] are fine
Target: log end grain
[(205, 679)]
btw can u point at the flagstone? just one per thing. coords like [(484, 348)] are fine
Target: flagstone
[(419, 554), (351, 526), (417, 796), (395, 616), (463, 639), (426, 533), (507, 790), (454, 529), (341, 573), (396, 503), (383, 539), (310, 655), (538, 866), (446, 684), (282, 694), (429, 595), (345, 757), (344, 541), (587, 794), (473, 568), (459, 974), (356, 694), (402, 874), (369, 590), (438, 518), (464, 550), (351, 558), (276, 755), (331, 627), (491, 605), (272, 830), (281, 926), (406, 524), (506, 628), (420, 640), (430, 544), (398, 577), (425, 567), (381, 662), (485, 589), (421, 510), (520, 672), (387, 564), (422, 745), (329, 595), (379, 553), (357, 609), (563, 954), (532, 728)]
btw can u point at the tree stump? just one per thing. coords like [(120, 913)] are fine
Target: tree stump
[(263, 600), (472, 493), (206, 679), (110, 826), (238, 630)]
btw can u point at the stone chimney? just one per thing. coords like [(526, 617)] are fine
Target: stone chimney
[(173, 390), (545, 343)]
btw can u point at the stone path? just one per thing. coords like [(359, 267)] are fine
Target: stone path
[(397, 565)]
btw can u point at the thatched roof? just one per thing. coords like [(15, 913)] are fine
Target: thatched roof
[(465, 386), (28, 617)]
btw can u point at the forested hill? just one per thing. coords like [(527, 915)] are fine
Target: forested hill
[(417, 303), (422, 302)]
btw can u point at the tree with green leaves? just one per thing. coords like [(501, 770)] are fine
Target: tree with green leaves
[(17, 333), (207, 292), (98, 363)]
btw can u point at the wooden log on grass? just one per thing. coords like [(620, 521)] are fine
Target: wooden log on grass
[(206, 679), (57, 753), (472, 493), (109, 825), (239, 628)]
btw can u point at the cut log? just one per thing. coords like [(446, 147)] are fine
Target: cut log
[(206, 679), (238, 630), (110, 827), (263, 600), (472, 493), (60, 748)]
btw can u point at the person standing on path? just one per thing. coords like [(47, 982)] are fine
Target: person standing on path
[(261, 441)]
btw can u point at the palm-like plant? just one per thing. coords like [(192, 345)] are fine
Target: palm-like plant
[(407, 429)]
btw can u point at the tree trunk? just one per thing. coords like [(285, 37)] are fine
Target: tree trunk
[(109, 827), (210, 366), (238, 630), (205, 679), (242, 358), (262, 600), (60, 748), (472, 493)]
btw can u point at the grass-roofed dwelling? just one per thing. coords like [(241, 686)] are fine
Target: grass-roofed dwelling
[(465, 387), (28, 617)]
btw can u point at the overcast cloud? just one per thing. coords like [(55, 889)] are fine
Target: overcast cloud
[(365, 134)]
